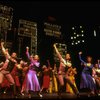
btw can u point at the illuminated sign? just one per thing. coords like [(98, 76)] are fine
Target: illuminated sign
[(52, 29), (27, 28), (6, 15)]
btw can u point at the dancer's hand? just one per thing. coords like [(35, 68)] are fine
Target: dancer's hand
[(2, 43), (27, 48), (54, 45), (98, 61), (80, 53)]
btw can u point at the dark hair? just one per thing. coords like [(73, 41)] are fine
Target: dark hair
[(89, 57)]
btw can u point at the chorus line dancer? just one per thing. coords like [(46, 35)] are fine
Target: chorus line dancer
[(86, 76), (46, 78), (64, 66), (32, 83), (17, 75), (6, 71), (96, 76)]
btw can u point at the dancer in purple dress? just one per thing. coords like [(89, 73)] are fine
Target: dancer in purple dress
[(32, 83), (86, 77)]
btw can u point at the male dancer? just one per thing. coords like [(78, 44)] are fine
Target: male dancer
[(64, 66), (5, 70)]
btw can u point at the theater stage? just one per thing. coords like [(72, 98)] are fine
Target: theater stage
[(50, 96)]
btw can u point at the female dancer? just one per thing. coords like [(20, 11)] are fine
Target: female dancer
[(46, 78), (32, 83), (86, 77), (17, 75)]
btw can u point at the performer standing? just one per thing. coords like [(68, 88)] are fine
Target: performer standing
[(17, 75), (71, 74), (32, 83), (86, 77), (96, 76), (5, 71), (64, 66), (46, 78)]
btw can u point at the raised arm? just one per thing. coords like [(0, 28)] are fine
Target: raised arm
[(98, 63), (49, 65), (5, 51), (80, 53), (27, 52), (2, 47), (59, 55)]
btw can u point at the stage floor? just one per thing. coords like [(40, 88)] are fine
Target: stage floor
[(49, 96)]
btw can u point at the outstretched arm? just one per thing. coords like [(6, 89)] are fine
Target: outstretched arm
[(98, 63), (80, 53), (5, 51), (49, 66), (59, 55)]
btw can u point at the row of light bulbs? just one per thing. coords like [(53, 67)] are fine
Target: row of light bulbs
[(76, 37), (79, 41)]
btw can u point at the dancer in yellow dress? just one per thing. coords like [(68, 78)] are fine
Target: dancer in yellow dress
[(71, 73)]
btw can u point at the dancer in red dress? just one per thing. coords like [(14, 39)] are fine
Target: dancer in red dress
[(46, 78), (17, 74)]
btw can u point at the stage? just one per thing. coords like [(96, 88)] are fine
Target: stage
[(50, 96)]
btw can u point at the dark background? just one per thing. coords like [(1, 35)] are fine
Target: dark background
[(66, 14)]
